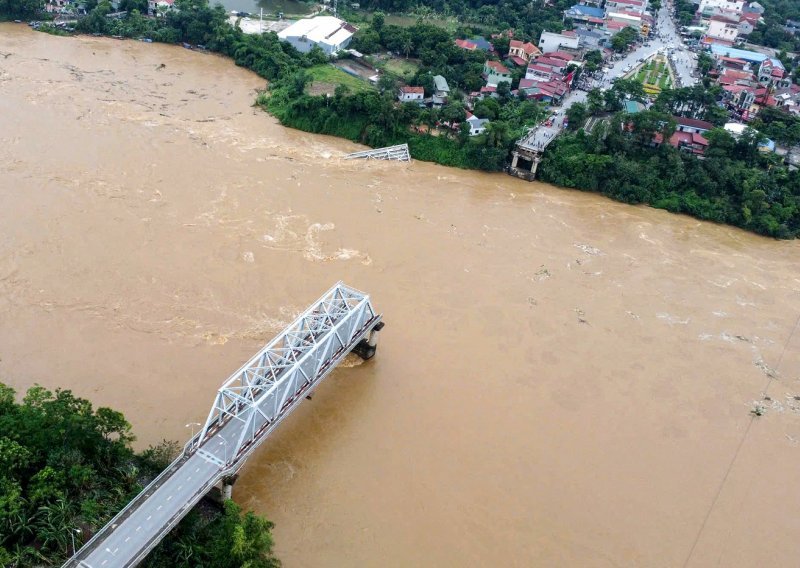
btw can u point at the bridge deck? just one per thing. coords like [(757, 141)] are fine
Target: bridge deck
[(248, 407)]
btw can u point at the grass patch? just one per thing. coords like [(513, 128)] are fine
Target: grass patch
[(404, 68), (330, 75)]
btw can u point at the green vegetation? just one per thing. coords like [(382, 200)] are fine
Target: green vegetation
[(327, 73), (66, 468), (654, 75), (734, 184), (403, 68), (623, 39)]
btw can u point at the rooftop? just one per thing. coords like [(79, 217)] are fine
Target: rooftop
[(320, 29)]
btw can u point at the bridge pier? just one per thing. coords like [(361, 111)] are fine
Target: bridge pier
[(529, 155), (367, 347), (227, 486)]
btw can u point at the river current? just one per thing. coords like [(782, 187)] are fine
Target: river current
[(562, 381)]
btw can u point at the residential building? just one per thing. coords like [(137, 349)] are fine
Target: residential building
[(495, 73), (692, 125), (411, 94), (329, 33), (159, 7), (588, 15), (707, 8), (466, 44), (722, 30), (553, 42), (441, 91), (523, 50), (636, 6), (476, 125)]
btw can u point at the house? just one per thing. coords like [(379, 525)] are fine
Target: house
[(721, 29), (476, 125), (482, 43), (625, 18), (588, 15), (466, 44), (740, 98), (689, 142), (441, 90), (522, 50), (411, 94), (329, 33), (495, 73), (692, 125), (637, 6), (553, 42), (159, 7), (707, 8)]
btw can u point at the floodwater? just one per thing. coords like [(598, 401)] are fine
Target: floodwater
[(562, 381)]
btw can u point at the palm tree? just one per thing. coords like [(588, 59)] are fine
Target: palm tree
[(408, 45)]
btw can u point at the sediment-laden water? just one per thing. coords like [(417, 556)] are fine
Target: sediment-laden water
[(562, 381)]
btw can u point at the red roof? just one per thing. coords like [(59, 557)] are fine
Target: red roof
[(594, 20), (549, 61), (498, 67), (414, 90), (733, 60), (777, 72), (540, 68), (559, 55), (738, 88), (527, 47), (694, 123), (518, 60), (527, 83), (466, 44), (488, 89), (631, 2)]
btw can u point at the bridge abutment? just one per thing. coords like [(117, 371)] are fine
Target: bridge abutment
[(534, 157)]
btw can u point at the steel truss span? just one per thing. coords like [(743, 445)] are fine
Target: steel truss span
[(246, 408)]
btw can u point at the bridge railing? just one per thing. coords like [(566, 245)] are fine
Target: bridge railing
[(279, 376)]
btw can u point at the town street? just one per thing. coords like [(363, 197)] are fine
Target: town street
[(666, 37)]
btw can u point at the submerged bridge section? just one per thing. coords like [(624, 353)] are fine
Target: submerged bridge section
[(246, 409), (398, 153), (529, 150)]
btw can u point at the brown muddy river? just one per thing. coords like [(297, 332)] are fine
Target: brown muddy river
[(562, 381)]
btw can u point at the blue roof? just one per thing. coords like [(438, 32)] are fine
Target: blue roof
[(482, 43), (752, 56), (588, 11)]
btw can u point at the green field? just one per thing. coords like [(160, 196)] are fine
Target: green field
[(404, 68), (327, 77)]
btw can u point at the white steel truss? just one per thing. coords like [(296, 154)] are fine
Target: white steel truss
[(264, 389)]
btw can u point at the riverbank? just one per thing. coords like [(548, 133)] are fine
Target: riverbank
[(762, 195)]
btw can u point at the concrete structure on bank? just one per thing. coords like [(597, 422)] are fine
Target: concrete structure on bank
[(330, 34)]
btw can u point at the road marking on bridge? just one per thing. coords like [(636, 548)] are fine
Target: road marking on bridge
[(211, 458)]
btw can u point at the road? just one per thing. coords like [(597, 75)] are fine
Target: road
[(177, 493), (666, 37)]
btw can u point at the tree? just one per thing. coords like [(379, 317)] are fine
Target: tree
[(378, 20), (577, 114), (594, 101), (387, 83)]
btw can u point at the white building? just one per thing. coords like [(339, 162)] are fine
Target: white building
[(719, 28), (411, 94), (476, 125), (554, 42), (709, 7), (329, 33)]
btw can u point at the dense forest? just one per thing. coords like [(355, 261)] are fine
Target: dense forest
[(66, 468)]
